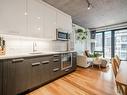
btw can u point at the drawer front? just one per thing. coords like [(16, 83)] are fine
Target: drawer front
[(56, 72), (56, 66), (56, 55), (56, 62), (46, 60)]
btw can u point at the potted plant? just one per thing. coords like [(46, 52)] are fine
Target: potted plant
[(81, 35), (95, 55)]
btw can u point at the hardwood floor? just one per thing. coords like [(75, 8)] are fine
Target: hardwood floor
[(81, 82)]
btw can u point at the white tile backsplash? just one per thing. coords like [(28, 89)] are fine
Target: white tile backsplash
[(59, 45), (20, 44)]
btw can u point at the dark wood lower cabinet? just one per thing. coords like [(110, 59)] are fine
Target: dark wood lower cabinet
[(56, 71), (19, 75), (35, 71), (9, 78), (22, 72), (1, 78), (56, 67), (46, 69), (74, 60), (15, 76)]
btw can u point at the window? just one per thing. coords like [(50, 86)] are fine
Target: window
[(98, 42), (124, 38), (121, 44), (112, 43), (107, 44)]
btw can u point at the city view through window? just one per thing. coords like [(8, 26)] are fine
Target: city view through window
[(103, 42), (121, 44)]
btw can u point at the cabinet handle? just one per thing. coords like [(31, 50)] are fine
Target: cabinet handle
[(56, 55), (67, 70), (55, 60), (56, 69), (45, 62), (36, 64), (17, 60)]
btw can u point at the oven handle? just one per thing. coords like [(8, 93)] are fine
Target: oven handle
[(67, 70), (56, 69)]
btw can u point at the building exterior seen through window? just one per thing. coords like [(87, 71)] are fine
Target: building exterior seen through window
[(121, 44), (98, 42), (103, 42), (107, 44)]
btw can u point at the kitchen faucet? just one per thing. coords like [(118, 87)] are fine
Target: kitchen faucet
[(34, 46)]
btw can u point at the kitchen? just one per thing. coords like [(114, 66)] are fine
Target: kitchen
[(36, 45), (63, 47)]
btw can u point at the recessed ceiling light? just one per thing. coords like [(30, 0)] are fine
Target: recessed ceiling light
[(89, 5)]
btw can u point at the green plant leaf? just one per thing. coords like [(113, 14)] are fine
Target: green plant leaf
[(81, 35)]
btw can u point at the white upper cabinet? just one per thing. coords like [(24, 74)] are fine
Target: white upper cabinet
[(64, 21), (49, 22), (61, 21), (69, 23), (35, 19), (12, 17)]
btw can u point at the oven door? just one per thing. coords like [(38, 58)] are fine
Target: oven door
[(66, 61)]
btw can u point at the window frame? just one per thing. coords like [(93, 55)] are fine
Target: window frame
[(112, 41)]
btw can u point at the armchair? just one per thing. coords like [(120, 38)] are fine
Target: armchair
[(84, 60)]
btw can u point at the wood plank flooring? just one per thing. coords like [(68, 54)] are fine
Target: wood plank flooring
[(81, 82)]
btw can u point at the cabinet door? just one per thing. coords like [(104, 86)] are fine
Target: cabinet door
[(68, 24), (1, 63), (35, 76), (35, 18), (16, 76), (49, 22), (60, 20), (64, 21), (22, 72), (12, 17), (9, 78), (46, 69)]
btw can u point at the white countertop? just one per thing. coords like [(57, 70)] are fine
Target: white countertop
[(19, 55)]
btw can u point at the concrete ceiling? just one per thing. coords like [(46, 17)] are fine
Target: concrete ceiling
[(103, 13)]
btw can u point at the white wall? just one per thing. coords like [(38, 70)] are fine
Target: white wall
[(20, 44), (80, 47)]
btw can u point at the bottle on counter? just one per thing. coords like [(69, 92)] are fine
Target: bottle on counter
[(2, 46)]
